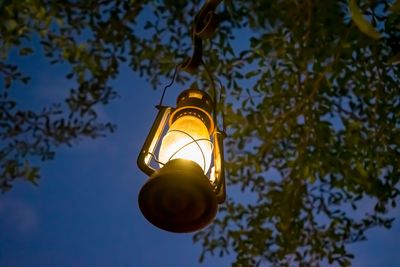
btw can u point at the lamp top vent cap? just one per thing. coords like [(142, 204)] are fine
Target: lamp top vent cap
[(195, 97)]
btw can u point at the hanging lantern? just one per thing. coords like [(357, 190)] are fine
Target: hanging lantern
[(185, 165)]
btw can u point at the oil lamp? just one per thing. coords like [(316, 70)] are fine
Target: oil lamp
[(186, 180)]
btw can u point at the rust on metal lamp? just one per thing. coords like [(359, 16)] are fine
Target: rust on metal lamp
[(186, 180)]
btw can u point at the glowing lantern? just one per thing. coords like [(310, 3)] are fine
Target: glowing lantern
[(183, 194)]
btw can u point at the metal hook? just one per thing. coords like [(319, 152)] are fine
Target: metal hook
[(204, 26)]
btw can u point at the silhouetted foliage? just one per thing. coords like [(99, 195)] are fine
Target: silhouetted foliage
[(312, 106)]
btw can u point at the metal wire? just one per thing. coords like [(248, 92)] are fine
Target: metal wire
[(222, 100), (212, 82), (191, 142), (155, 158), (169, 85), (216, 100)]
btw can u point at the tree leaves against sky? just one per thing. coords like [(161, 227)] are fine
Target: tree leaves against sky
[(312, 108)]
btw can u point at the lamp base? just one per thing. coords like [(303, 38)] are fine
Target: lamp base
[(178, 197)]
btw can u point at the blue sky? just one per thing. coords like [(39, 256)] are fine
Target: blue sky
[(84, 211)]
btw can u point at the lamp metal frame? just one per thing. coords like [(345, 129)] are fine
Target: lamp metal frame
[(166, 115)]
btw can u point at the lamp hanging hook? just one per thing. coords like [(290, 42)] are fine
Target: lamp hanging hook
[(204, 26)]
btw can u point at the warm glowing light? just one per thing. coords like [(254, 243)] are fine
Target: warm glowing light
[(179, 142)]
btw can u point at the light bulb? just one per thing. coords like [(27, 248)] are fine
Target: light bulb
[(187, 138)]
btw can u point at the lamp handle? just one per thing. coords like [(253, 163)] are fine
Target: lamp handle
[(147, 152)]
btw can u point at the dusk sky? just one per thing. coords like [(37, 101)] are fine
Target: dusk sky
[(84, 211)]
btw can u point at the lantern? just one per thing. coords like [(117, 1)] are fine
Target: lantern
[(185, 165)]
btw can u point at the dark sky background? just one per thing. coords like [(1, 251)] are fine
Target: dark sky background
[(84, 211)]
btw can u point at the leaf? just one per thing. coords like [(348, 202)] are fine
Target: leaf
[(394, 60), (25, 51), (11, 24), (7, 82), (362, 24), (25, 79), (395, 7), (361, 170)]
